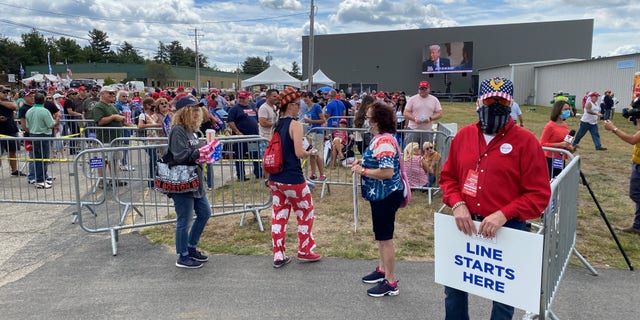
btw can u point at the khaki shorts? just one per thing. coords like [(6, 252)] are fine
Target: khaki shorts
[(317, 140)]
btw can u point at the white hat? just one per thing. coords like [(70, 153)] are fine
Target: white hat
[(57, 95)]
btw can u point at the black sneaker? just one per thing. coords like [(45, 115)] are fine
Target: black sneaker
[(18, 173), (281, 263), (384, 288), (197, 255), (188, 262), (374, 277)]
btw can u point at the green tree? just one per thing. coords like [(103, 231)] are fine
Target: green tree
[(160, 72), (162, 55), (35, 48), (295, 71), (128, 54), (254, 65), (99, 46), (176, 53), (69, 50), (11, 56), (108, 81)]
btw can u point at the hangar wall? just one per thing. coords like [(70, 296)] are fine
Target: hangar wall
[(392, 59)]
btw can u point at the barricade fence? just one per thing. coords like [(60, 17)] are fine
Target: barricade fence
[(234, 185)]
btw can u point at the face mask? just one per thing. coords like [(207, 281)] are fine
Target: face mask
[(493, 117), (565, 114)]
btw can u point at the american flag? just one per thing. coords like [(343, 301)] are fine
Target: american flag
[(496, 87), (69, 73), (21, 71)]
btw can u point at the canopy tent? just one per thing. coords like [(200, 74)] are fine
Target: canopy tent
[(272, 76), (39, 78), (320, 78)]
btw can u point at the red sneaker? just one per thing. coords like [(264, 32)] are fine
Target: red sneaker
[(309, 257)]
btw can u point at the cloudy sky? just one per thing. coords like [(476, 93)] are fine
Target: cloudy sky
[(230, 31)]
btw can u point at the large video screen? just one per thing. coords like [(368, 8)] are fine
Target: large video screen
[(448, 57)]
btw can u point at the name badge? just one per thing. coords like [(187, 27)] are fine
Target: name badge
[(470, 186)]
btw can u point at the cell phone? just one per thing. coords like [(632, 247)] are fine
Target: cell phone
[(309, 147)]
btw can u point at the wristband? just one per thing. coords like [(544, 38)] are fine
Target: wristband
[(614, 130), (458, 204), (364, 172)]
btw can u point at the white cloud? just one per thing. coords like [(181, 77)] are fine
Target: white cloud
[(282, 4), (627, 49), (390, 14)]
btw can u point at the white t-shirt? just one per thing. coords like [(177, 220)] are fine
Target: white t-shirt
[(590, 118), (266, 111), (515, 111)]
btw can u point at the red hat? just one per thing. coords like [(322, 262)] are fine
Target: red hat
[(380, 94), (424, 84), (344, 121), (180, 89), (82, 88), (608, 91), (244, 95), (155, 95), (593, 93)]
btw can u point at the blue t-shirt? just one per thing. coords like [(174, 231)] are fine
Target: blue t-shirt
[(381, 153), (335, 110), (314, 114), (245, 118), (292, 170)]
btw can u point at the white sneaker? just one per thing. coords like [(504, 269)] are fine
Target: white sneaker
[(43, 185)]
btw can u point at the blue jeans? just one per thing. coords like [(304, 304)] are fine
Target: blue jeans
[(456, 302), (593, 130), (606, 113), (185, 204), (41, 152), (634, 192), (209, 176)]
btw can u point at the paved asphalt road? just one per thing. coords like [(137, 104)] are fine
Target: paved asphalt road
[(51, 269)]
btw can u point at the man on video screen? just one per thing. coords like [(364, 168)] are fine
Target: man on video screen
[(435, 62)]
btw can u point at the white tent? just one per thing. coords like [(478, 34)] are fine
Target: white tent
[(272, 76), (320, 78), (39, 78)]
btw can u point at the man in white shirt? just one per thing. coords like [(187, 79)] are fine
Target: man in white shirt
[(267, 114), (516, 113)]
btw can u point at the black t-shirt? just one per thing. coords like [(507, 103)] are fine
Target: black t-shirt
[(22, 114), (8, 127)]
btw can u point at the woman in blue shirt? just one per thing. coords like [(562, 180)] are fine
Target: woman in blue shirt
[(381, 186)]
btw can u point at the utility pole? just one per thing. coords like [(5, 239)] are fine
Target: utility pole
[(310, 67), (196, 35)]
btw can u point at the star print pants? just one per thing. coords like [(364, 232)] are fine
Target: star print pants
[(287, 197)]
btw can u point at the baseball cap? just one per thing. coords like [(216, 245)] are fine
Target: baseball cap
[(593, 93), (30, 92), (310, 94), (82, 88), (57, 95), (344, 121), (424, 84), (244, 94), (180, 89), (107, 89), (187, 102), (496, 87), (380, 94), (263, 94)]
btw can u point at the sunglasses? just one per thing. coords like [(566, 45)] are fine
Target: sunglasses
[(5, 91), (423, 88), (403, 100), (492, 100), (429, 148)]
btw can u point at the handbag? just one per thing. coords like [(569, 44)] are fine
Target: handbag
[(406, 192), (175, 178)]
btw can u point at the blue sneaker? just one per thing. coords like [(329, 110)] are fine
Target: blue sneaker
[(384, 288), (197, 255), (374, 277), (187, 262)]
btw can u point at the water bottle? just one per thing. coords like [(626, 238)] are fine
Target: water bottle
[(126, 112), (211, 135)]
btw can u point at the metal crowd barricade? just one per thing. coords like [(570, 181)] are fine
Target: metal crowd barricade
[(60, 170), (132, 203), (559, 230)]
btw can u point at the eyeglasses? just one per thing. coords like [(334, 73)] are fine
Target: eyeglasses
[(111, 93), (5, 91), (492, 100), (423, 88), (429, 148)]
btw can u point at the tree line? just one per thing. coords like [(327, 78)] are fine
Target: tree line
[(34, 49)]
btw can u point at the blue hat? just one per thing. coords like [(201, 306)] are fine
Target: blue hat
[(496, 87), (187, 102)]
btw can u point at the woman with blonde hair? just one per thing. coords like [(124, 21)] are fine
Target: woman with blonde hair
[(183, 146), (412, 158)]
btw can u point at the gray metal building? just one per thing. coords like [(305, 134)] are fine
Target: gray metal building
[(392, 60)]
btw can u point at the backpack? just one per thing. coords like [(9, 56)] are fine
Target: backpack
[(273, 161)]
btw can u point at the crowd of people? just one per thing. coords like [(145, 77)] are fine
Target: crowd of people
[(488, 153)]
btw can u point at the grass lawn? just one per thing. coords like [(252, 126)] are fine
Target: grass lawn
[(607, 173)]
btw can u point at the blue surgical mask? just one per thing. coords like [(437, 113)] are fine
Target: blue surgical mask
[(565, 114)]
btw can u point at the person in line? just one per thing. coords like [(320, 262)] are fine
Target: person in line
[(589, 122), (516, 113), (289, 188), (421, 110), (106, 115), (492, 175), (315, 118), (184, 145), (412, 157), (340, 142), (554, 134), (148, 123), (607, 105), (379, 170), (8, 127), (243, 120), (634, 180), (431, 161), (40, 123), (360, 120)]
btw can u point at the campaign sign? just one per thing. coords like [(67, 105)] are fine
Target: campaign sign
[(95, 163), (507, 268)]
